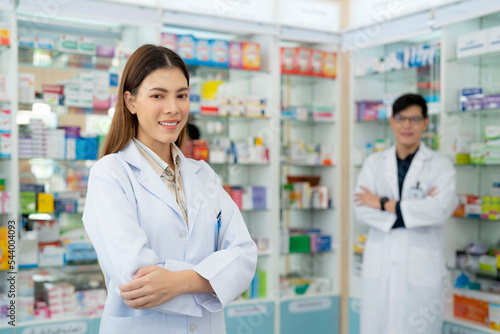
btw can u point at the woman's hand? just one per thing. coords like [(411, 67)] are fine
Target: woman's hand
[(152, 286)]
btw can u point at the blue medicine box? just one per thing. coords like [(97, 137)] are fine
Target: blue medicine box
[(86, 148), (80, 252)]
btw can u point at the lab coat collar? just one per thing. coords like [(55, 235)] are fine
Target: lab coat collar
[(391, 173), (193, 186), (150, 180)]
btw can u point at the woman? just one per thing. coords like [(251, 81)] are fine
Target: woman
[(172, 244)]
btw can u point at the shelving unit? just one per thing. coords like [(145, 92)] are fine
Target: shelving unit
[(8, 150), (300, 95), (458, 73)]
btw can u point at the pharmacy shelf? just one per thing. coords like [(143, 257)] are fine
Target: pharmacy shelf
[(290, 75), (487, 56), (402, 71), (476, 218), (316, 295), (470, 324), (307, 122), (330, 252), (69, 268), (384, 121), (291, 164), (238, 164), (308, 209), (228, 118), (480, 274), (52, 321), (227, 69), (476, 165), (241, 301), (66, 60), (479, 112)]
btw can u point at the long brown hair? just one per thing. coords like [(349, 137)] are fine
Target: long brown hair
[(141, 63)]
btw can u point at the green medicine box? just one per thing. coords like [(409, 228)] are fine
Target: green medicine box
[(300, 244)]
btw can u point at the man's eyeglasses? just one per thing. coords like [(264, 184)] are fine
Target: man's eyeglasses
[(417, 120)]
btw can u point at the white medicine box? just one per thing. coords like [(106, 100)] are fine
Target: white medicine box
[(494, 39), (472, 44)]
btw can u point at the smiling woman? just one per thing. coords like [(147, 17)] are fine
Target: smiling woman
[(172, 244)]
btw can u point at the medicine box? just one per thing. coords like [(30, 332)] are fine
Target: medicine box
[(288, 60), (472, 44), (169, 41), (202, 53), (251, 56), (494, 39), (235, 55), (303, 61), (186, 48), (219, 53)]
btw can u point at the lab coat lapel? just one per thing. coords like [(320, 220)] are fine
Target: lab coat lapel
[(194, 188), (416, 166), (149, 178), (391, 171)]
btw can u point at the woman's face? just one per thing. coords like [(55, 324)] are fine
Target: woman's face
[(162, 107)]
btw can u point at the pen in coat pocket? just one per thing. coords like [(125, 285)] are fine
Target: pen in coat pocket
[(217, 229)]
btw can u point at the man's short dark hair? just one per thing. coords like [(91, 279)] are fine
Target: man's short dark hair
[(408, 100)]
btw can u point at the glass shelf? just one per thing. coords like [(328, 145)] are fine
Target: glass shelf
[(384, 121), (44, 58), (291, 75), (220, 68), (239, 164), (309, 253), (229, 117), (253, 210), (396, 72), (307, 122), (291, 164), (5, 158), (58, 159), (476, 165), (480, 112), (5, 101), (476, 218), (69, 268), (479, 273), (494, 56), (308, 210)]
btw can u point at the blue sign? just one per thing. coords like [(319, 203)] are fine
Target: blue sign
[(257, 318)]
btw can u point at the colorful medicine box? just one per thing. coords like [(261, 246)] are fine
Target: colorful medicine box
[(186, 48), (317, 59), (288, 60), (330, 65), (202, 53), (169, 41), (219, 53), (251, 56), (303, 61), (235, 55)]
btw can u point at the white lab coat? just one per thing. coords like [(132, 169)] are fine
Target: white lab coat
[(404, 268), (134, 221)]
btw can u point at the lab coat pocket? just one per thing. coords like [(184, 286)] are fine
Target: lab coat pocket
[(372, 262), (425, 267), (151, 323)]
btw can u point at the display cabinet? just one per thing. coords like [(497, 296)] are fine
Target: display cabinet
[(9, 219), (471, 121), (309, 185), (68, 76)]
